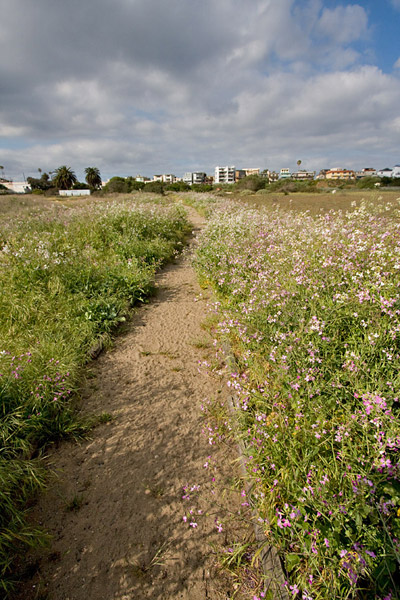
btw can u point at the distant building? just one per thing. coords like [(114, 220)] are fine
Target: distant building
[(272, 176), (194, 178), (303, 175), (224, 175), (141, 179), (339, 173), (384, 172), (240, 174), (285, 174), (251, 171), (367, 172), (18, 187), (165, 178), (387, 172)]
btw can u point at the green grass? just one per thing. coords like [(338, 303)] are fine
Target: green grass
[(70, 272)]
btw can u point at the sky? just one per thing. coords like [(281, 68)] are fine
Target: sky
[(168, 86)]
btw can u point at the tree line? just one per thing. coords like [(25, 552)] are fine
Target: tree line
[(64, 178)]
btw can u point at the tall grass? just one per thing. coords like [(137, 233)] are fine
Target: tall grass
[(311, 308), (68, 275)]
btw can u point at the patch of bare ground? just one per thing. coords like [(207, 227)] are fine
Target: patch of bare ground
[(115, 510)]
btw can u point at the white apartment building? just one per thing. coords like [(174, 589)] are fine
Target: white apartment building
[(224, 175)]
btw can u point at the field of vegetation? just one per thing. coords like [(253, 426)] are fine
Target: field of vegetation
[(309, 302), (69, 274)]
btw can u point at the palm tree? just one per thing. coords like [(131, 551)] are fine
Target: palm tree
[(93, 177), (64, 178)]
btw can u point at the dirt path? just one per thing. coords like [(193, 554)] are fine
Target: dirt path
[(116, 510)]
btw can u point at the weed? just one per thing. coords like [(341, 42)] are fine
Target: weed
[(75, 503)]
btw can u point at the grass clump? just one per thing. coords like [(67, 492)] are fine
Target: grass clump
[(310, 306), (69, 274)]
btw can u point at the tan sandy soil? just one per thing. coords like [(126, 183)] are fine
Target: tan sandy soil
[(115, 511)]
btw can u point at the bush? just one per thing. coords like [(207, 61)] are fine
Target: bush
[(154, 187), (117, 185), (178, 186), (367, 183), (252, 182), (202, 188)]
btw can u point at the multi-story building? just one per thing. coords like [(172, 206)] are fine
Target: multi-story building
[(251, 171), (165, 178), (194, 178), (224, 175), (285, 173), (389, 172), (338, 173), (272, 176), (367, 172), (240, 174)]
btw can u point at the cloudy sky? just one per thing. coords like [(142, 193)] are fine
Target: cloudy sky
[(159, 86)]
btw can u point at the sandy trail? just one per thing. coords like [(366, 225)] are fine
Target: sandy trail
[(126, 539)]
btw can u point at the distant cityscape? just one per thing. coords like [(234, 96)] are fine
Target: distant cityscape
[(230, 175)]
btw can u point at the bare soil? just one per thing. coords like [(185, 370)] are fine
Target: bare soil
[(115, 510)]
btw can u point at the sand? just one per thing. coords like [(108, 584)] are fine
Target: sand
[(115, 509)]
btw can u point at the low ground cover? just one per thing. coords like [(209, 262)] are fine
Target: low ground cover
[(310, 306), (69, 274)]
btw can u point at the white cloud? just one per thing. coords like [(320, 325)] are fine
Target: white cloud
[(344, 24)]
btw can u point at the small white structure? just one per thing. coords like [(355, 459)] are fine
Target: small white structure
[(74, 192), (224, 175), (18, 187)]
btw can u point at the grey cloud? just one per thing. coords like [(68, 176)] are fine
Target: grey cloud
[(138, 85)]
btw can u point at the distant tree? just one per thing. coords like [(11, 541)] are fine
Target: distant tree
[(133, 185), (298, 162), (43, 183), (64, 178), (93, 177), (116, 185)]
